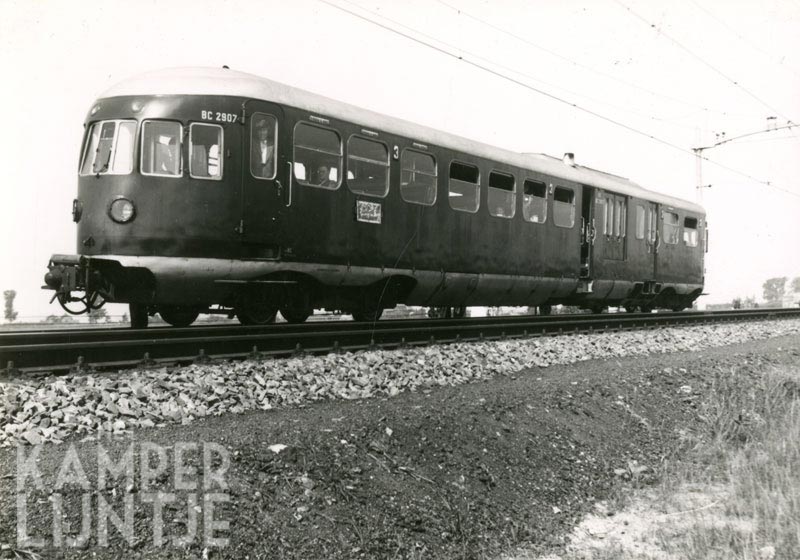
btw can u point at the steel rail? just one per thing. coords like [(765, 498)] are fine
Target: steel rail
[(76, 349)]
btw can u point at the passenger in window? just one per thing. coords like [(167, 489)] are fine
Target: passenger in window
[(322, 178), (262, 149)]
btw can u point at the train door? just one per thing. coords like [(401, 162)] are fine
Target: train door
[(588, 233), (615, 218), (264, 178), (652, 238)]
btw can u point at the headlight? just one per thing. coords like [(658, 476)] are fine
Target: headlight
[(122, 210)]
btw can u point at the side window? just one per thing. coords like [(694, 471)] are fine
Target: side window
[(109, 148), (639, 221), (534, 201), (502, 197), (417, 177), (161, 148), (690, 234), (621, 217), (367, 166), (608, 218), (263, 145), (205, 147), (317, 156), (670, 228), (464, 189), (564, 207)]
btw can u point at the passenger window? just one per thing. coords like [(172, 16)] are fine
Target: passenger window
[(263, 145), (367, 166), (417, 177), (161, 148), (564, 207), (608, 218), (621, 217), (639, 221), (109, 148), (502, 197), (534, 201), (205, 147), (317, 156), (690, 234), (670, 228), (465, 188)]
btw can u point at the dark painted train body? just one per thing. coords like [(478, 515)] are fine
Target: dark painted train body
[(209, 190)]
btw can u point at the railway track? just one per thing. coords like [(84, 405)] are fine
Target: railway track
[(64, 350)]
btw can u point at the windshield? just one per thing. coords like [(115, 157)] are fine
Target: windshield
[(109, 148)]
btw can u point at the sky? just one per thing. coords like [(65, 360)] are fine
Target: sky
[(629, 86)]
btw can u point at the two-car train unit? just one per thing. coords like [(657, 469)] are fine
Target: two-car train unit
[(213, 191)]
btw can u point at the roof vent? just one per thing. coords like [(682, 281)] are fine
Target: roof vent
[(226, 67), (569, 159)]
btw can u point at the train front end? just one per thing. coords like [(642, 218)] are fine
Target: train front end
[(155, 207)]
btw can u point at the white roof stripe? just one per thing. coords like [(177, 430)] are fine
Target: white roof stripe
[(220, 81)]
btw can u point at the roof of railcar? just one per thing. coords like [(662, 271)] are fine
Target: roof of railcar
[(222, 81)]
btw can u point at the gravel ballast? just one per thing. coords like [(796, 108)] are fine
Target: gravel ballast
[(55, 408), (467, 471)]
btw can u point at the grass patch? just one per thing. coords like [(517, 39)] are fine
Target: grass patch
[(732, 492), (746, 465)]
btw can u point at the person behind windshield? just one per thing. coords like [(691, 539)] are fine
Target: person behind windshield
[(262, 149)]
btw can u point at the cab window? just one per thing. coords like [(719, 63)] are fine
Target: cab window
[(534, 201), (263, 145), (205, 147), (564, 207), (317, 156), (671, 228), (161, 148), (690, 233), (109, 148), (502, 196), (367, 166), (464, 187), (418, 177)]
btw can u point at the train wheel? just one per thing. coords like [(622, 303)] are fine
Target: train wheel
[(138, 313), (597, 309), (459, 312), (545, 309), (297, 309), (178, 316), (647, 309), (257, 314), (367, 316), (678, 308), (630, 309)]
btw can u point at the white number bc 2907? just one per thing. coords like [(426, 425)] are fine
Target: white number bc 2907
[(216, 116)]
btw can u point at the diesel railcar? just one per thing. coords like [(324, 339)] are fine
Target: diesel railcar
[(213, 191)]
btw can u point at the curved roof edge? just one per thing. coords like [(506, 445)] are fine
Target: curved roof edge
[(222, 81)]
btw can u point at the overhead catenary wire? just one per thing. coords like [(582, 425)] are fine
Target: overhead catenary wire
[(543, 92), (530, 77), (577, 63), (703, 61), (743, 39)]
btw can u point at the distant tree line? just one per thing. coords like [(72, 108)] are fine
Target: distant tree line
[(10, 314)]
